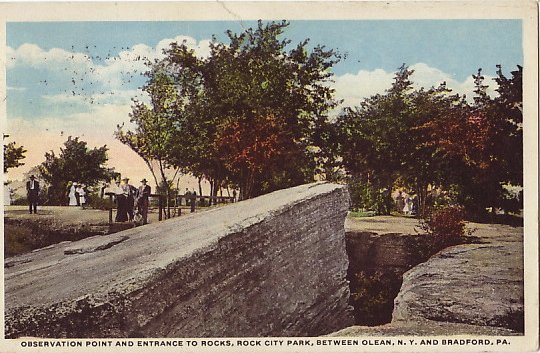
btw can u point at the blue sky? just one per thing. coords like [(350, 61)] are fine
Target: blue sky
[(77, 78)]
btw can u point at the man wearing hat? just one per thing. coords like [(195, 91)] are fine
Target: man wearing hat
[(129, 192), (142, 200), (32, 191)]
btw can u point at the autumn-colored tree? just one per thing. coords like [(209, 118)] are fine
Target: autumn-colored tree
[(253, 77), (485, 143), (252, 147)]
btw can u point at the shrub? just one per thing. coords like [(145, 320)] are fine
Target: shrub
[(365, 196), (101, 203), (446, 226)]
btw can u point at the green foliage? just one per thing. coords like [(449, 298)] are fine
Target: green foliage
[(372, 296), (13, 155), (434, 138), (251, 114), (154, 136), (382, 140), (99, 203), (76, 162), (365, 196)]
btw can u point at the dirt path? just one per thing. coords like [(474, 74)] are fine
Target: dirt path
[(382, 224), (24, 232)]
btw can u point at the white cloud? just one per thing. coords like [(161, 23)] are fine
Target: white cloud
[(353, 88), (32, 55), (15, 88), (115, 73)]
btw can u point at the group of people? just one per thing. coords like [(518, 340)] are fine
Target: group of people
[(77, 194), (191, 198), (406, 204), (131, 201)]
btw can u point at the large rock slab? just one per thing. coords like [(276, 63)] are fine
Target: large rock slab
[(271, 266), (477, 284), (466, 289)]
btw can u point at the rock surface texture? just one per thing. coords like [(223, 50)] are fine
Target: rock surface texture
[(465, 289), (271, 266)]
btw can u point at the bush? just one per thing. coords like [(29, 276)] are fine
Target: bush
[(446, 226), (365, 196), (100, 203), (372, 296)]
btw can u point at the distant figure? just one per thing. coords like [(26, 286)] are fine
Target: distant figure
[(77, 195), (387, 201), (129, 192), (82, 195), (7, 193), (187, 196), (193, 199), (32, 191), (400, 201), (121, 203), (414, 205), (407, 208), (71, 194), (143, 201), (234, 195)]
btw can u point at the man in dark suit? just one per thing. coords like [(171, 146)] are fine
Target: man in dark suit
[(32, 191), (143, 201)]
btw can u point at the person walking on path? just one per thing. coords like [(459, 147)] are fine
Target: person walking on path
[(143, 201), (32, 191)]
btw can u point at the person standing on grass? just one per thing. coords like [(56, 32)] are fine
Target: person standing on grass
[(32, 191), (82, 195), (143, 201), (193, 199)]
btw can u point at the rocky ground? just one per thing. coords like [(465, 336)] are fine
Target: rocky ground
[(465, 289)]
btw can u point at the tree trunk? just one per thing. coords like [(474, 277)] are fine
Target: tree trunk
[(212, 185)]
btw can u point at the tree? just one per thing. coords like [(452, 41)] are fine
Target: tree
[(13, 155), (488, 141), (76, 162), (153, 138), (432, 138), (383, 140), (241, 85)]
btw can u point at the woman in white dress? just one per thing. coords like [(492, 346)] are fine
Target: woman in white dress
[(82, 199), (407, 209), (71, 195)]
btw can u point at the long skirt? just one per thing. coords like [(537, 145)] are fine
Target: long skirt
[(121, 208), (72, 199)]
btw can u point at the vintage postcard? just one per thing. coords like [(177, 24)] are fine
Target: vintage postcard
[(338, 176)]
